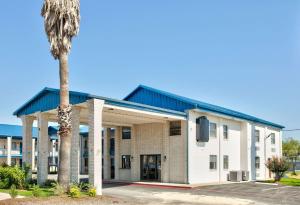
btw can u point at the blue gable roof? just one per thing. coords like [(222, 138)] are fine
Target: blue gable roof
[(154, 97), (15, 131), (48, 99)]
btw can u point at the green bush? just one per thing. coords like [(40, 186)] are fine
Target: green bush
[(36, 191), (92, 192), (83, 186), (74, 191), (57, 189), (49, 183), (11, 175), (13, 192)]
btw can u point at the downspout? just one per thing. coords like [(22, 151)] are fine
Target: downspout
[(187, 146)]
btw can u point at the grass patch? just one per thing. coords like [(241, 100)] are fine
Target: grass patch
[(290, 181), (45, 192)]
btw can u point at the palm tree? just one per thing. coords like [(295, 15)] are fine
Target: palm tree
[(61, 19)]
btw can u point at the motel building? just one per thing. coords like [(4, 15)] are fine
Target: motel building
[(152, 136)]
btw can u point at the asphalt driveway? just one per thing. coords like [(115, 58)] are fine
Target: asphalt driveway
[(229, 194)]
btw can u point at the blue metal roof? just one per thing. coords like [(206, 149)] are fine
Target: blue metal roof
[(48, 99), (154, 97), (15, 131)]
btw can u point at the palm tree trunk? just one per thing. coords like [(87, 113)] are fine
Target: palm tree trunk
[(65, 138)]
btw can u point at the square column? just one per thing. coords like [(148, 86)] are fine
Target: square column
[(135, 161), (106, 153), (33, 166), (117, 152), (9, 151), (75, 145), (43, 152), (165, 158), (95, 107), (27, 152)]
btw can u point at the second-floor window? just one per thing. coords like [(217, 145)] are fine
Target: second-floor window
[(212, 129), (225, 162), (225, 132), (126, 132), (175, 128), (273, 138), (257, 135)]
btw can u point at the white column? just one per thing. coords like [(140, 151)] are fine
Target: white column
[(43, 152), (165, 158), (106, 153), (95, 107), (117, 153), (135, 161), (75, 145), (9, 151), (27, 122), (33, 155)]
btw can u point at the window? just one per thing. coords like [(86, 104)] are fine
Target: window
[(225, 162), (225, 132), (126, 162), (272, 138), (257, 148), (86, 162), (85, 144), (14, 146), (273, 149), (213, 162), (257, 135), (212, 129), (175, 128), (126, 132), (257, 162)]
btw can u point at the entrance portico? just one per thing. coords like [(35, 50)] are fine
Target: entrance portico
[(148, 126)]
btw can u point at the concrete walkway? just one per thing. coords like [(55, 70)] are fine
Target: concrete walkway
[(4, 196)]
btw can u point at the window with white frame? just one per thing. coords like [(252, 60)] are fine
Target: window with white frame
[(257, 135), (273, 138), (213, 162), (225, 132), (225, 162), (126, 133), (257, 162), (212, 129)]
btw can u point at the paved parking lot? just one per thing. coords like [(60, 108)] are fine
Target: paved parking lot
[(239, 193)]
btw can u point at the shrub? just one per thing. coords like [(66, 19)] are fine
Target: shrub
[(11, 175), (83, 186), (49, 183), (74, 191), (92, 192), (57, 189), (36, 191), (13, 192), (278, 166)]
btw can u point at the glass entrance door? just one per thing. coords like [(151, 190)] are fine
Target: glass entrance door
[(151, 167)]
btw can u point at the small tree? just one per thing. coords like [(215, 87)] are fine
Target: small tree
[(291, 150), (278, 166)]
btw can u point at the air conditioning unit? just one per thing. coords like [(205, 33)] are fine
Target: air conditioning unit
[(235, 176), (245, 175)]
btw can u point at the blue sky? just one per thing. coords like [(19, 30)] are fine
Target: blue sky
[(242, 55)]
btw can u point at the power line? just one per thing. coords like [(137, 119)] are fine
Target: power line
[(291, 130)]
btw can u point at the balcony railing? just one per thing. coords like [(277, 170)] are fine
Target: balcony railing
[(13, 152)]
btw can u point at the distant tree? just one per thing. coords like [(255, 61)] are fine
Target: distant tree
[(278, 166), (291, 150)]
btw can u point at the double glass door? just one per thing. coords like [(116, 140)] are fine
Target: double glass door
[(151, 167)]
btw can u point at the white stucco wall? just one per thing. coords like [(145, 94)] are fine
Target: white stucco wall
[(199, 152)]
